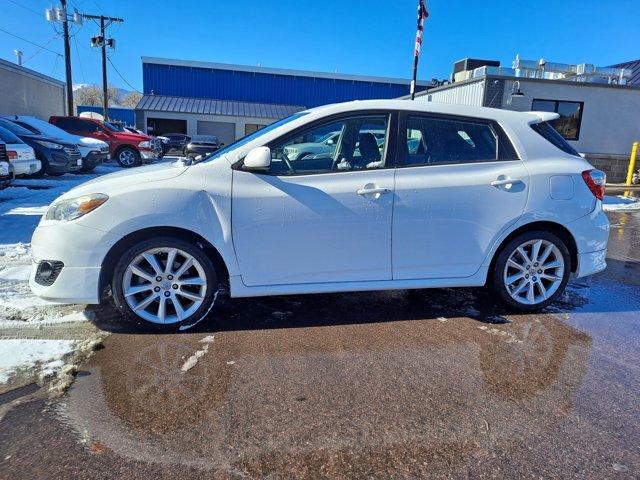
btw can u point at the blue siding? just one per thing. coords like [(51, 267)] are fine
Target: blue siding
[(125, 115), (198, 82)]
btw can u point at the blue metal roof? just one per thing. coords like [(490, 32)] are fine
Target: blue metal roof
[(207, 106), (634, 66), (125, 115), (263, 85)]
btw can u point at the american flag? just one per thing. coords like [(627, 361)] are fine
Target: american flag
[(422, 15)]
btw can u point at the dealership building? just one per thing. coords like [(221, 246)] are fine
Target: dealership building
[(230, 101), (599, 107)]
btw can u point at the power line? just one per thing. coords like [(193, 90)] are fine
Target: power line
[(43, 47), (26, 8), (79, 61), (120, 75)]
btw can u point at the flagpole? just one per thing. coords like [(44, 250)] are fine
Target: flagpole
[(412, 88)]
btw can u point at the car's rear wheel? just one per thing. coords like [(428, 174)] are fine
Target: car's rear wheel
[(531, 271), (165, 282), (128, 157)]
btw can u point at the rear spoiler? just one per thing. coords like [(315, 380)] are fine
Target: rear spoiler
[(539, 117)]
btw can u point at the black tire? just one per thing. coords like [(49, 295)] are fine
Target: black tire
[(125, 151), (87, 168), (171, 242), (497, 282), (55, 174)]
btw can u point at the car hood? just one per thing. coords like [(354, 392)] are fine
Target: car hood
[(90, 142), (128, 179), (131, 137)]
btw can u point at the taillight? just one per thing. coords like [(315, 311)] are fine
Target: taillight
[(11, 155), (596, 181)]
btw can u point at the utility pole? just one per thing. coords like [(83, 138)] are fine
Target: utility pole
[(60, 15), (105, 99), (102, 41), (67, 57)]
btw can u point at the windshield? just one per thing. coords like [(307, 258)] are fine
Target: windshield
[(28, 127), (13, 128), (112, 127), (252, 136), (7, 137)]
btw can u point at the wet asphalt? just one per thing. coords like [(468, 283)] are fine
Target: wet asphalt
[(410, 384)]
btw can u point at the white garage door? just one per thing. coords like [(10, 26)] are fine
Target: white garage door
[(225, 131)]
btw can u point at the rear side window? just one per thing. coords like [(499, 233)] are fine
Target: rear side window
[(433, 140), (546, 131)]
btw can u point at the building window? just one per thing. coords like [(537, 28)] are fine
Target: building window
[(568, 125), (252, 127)]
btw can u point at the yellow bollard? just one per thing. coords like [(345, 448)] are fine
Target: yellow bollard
[(632, 162)]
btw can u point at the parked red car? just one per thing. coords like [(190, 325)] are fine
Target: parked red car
[(129, 149)]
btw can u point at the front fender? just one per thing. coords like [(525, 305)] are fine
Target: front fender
[(203, 213)]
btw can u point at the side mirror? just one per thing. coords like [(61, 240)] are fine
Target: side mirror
[(258, 158)]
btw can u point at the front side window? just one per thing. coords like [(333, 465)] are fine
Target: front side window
[(568, 125), (433, 140), (346, 144)]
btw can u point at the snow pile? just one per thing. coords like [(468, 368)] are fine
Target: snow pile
[(620, 203), (22, 354)]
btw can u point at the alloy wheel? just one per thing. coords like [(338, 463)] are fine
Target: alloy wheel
[(534, 271), (164, 285), (127, 157)]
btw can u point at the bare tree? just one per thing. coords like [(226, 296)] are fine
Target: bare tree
[(131, 99), (92, 95)]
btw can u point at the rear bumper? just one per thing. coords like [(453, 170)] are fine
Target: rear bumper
[(590, 263), (591, 234), (26, 167)]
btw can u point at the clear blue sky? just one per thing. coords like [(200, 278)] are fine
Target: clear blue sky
[(372, 37)]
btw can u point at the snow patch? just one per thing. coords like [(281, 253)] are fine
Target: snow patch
[(20, 354), (192, 361), (620, 203)]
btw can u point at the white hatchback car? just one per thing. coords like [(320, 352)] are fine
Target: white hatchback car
[(486, 196)]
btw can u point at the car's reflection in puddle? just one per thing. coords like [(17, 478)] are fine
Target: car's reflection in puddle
[(287, 387)]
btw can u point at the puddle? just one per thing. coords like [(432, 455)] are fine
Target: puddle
[(12, 395)]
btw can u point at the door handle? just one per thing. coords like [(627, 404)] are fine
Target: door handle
[(505, 181), (372, 191)]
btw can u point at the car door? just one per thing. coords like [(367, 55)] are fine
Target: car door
[(459, 183), (320, 218)]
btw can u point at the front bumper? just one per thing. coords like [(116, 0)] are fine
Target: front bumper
[(63, 163), (26, 167), (147, 156), (73, 285), (94, 158), (81, 250)]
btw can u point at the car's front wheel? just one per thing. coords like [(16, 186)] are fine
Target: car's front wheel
[(165, 281), (531, 271), (128, 157)]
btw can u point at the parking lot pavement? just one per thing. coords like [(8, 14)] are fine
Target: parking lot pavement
[(407, 384)]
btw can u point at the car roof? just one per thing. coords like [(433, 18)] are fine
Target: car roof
[(421, 105)]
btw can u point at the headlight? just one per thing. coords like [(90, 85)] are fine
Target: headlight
[(144, 144), (54, 146), (73, 208)]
